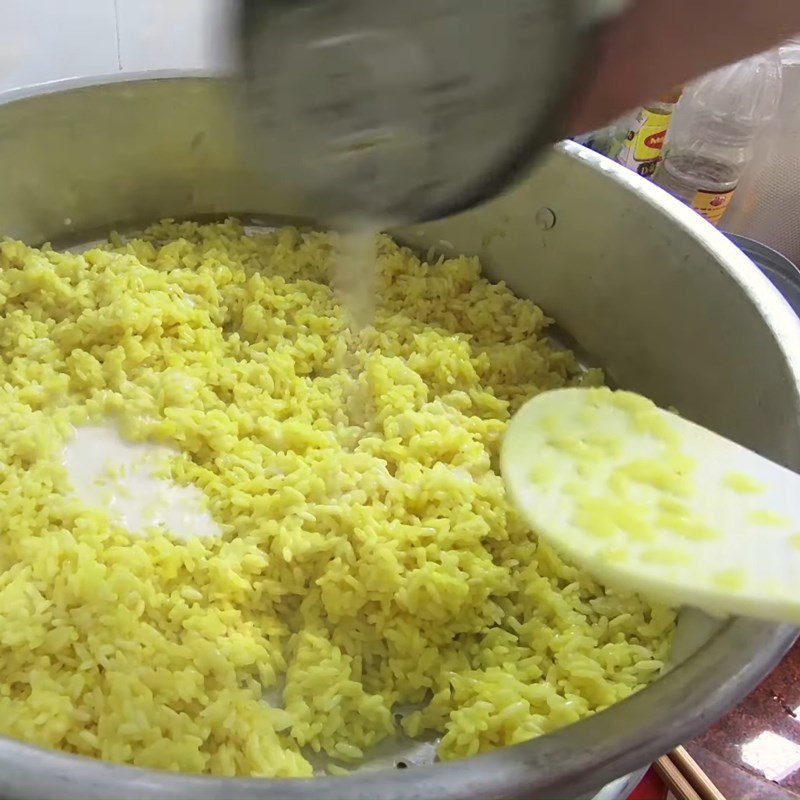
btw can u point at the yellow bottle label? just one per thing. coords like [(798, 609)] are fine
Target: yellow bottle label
[(712, 205), (650, 141), (644, 145)]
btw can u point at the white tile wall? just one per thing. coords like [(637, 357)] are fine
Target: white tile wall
[(174, 34), (42, 40)]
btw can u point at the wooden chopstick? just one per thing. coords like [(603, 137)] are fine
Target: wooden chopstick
[(676, 782), (685, 778), (695, 774)]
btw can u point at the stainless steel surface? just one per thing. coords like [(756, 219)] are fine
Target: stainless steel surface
[(406, 111), (782, 272), (663, 300)]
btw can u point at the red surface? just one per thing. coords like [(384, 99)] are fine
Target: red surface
[(651, 788)]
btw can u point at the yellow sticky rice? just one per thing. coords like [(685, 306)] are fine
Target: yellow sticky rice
[(369, 563)]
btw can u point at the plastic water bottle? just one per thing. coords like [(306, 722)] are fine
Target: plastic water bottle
[(767, 204), (710, 143)]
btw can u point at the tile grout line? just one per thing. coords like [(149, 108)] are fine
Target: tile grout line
[(116, 30)]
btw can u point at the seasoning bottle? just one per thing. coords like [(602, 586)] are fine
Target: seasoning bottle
[(711, 138), (641, 136)]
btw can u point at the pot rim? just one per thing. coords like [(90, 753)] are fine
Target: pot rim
[(578, 758)]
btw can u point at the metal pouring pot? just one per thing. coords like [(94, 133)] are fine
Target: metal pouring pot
[(409, 111)]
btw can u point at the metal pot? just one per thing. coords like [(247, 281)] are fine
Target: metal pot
[(782, 272), (652, 292)]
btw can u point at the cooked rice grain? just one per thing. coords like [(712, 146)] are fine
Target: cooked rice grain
[(366, 562)]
